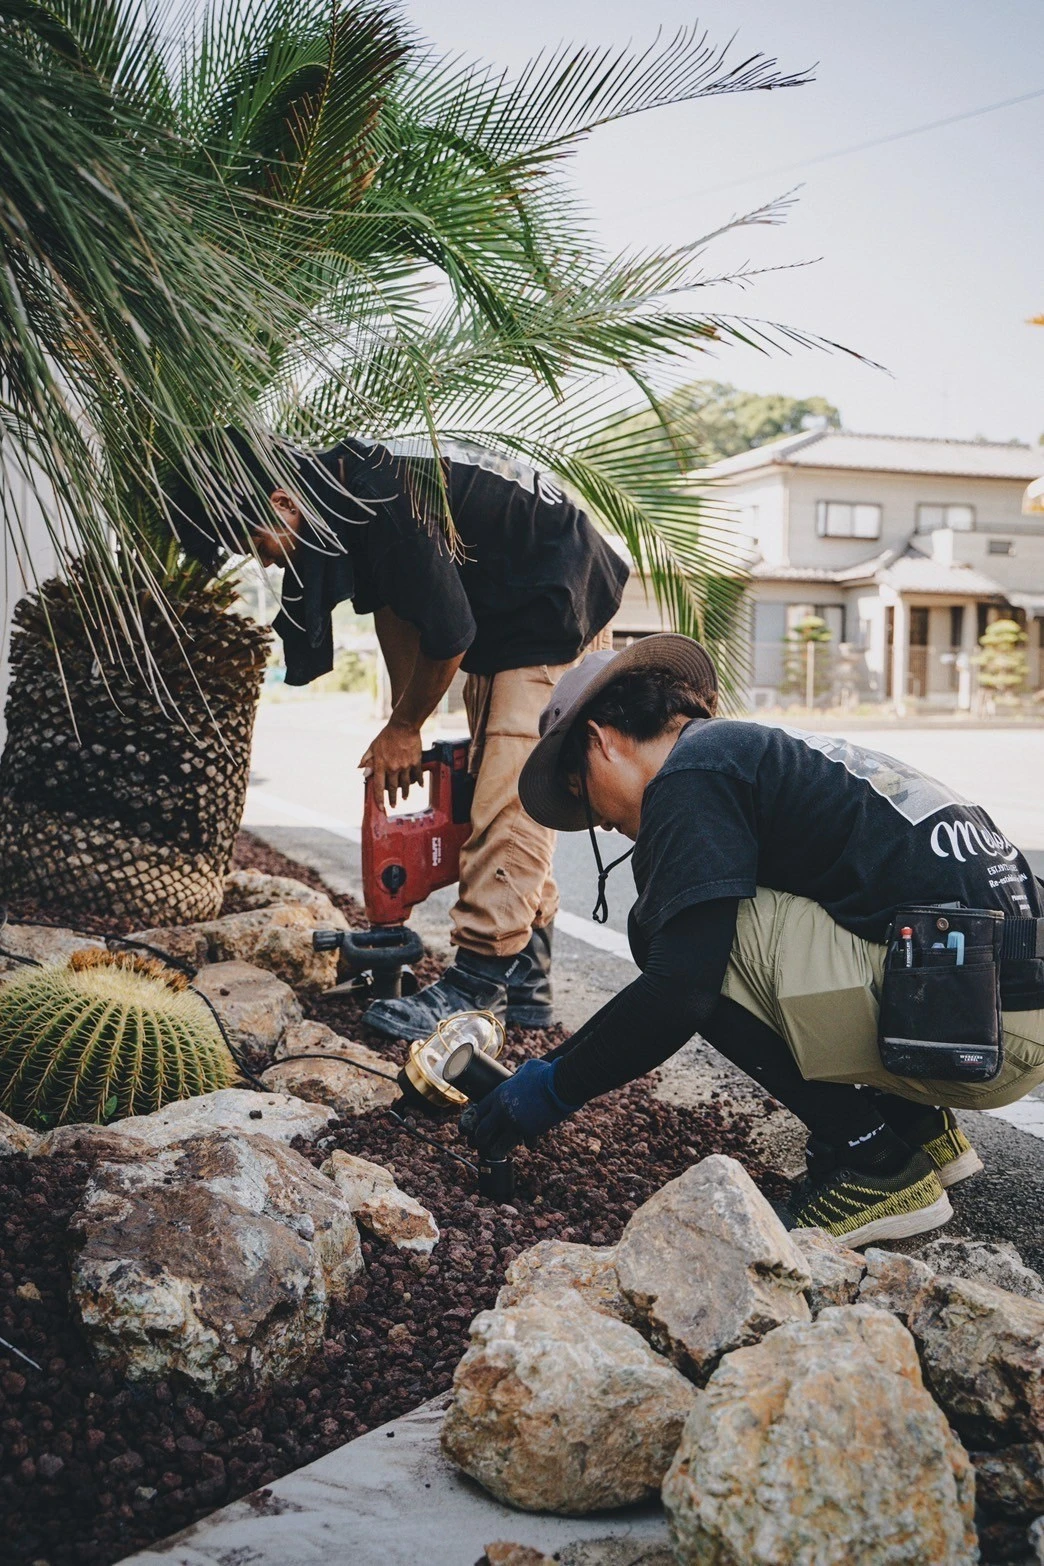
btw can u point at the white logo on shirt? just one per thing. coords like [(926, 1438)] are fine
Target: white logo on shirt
[(961, 838)]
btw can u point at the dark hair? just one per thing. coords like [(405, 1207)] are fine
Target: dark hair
[(641, 705), (214, 502)]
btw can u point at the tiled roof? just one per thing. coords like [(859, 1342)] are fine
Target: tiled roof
[(907, 570), (885, 454)]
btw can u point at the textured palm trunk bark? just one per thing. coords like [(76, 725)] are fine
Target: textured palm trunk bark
[(122, 793)]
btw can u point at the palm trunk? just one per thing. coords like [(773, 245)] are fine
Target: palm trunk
[(116, 797)]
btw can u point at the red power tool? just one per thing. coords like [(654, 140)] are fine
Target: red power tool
[(404, 859)]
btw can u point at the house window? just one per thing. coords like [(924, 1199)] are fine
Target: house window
[(961, 519), (1000, 546), (847, 519)]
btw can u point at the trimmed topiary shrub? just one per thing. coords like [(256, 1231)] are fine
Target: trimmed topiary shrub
[(108, 1035)]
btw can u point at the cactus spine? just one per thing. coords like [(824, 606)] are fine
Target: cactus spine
[(106, 1036)]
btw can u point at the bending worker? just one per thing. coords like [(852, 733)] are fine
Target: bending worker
[(529, 587), (809, 908)]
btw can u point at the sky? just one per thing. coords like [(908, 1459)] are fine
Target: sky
[(925, 255)]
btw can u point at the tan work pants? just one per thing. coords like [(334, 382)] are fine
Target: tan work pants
[(506, 885)]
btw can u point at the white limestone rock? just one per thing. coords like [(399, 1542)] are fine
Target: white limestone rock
[(16, 1138), (708, 1266), (893, 1281), (255, 1007), (836, 1271), (350, 1089), (821, 1446), (557, 1408), (379, 1205), (214, 1258), (552, 1265), (275, 1115), (985, 1261)]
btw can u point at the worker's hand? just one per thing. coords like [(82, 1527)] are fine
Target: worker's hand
[(394, 759), (519, 1110)]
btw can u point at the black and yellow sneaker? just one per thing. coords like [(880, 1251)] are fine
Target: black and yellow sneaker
[(949, 1149), (859, 1206)]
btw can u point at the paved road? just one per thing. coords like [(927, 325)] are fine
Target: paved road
[(306, 797)]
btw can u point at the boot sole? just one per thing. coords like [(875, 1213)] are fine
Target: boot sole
[(901, 1226), (969, 1163)]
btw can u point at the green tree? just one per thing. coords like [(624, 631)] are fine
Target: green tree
[(807, 671), (296, 219), (1003, 666)]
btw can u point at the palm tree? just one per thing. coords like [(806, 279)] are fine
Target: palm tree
[(295, 218)]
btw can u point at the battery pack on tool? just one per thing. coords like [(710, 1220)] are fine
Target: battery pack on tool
[(940, 998)]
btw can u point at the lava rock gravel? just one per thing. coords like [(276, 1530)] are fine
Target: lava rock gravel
[(93, 1468)]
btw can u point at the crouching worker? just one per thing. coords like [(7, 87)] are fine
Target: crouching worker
[(775, 870)]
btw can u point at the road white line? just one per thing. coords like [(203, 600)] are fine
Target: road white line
[(599, 935), (316, 818), (1026, 1113)]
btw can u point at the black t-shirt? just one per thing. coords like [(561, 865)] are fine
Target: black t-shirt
[(741, 805), (534, 580)]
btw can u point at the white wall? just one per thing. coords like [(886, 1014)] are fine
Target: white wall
[(27, 557)]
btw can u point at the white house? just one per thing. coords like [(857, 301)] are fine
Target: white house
[(907, 547)]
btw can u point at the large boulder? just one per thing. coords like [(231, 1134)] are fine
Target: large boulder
[(893, 1281), (375, 1199), (255, 1007), (1011, 1481), (835, 1270), (985, 1261), (557, 1408), (278, 939), (552, 1265), (42, 943), (215, 1259), (278, 1116), (983, 1355), (363, 1083), (708, 1266), (819, 1446), (16, 1138)]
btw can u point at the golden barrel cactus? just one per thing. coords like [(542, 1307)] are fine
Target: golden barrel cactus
[(108, 1035)]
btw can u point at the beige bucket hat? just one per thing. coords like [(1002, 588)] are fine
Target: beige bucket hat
[(542, 788)]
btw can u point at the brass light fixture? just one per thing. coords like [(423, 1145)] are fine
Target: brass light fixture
[(421, 1076)]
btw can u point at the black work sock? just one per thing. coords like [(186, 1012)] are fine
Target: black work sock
[(915, 1123), (845, 1117)]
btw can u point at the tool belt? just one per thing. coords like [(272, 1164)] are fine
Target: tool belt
[(949, 974)]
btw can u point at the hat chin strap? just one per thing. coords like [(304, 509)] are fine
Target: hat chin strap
[(600, 911)]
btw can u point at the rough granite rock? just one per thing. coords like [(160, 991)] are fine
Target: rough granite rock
[(255, 1007), (185, 942), (983, 1355), (44, 943), (893, 1281), (215, 1259), (275, 1115), (1011, 1481), (16, 1138), (348, 1089), (1036, 1539), (278, 939), (247, 890), (379, 1205), (835, 1270), (708, 1266), (503, 1553), (557, 1264), (985, 1261), (821, 1447), (93, 1143), (557, 1408)]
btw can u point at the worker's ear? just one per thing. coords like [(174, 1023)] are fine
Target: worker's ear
[(600, 739), (287, 507)]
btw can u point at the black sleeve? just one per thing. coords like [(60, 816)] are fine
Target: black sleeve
[(410, 570), (697, 842), (650, 1019)]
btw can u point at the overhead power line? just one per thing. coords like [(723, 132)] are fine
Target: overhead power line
[(844, 152)]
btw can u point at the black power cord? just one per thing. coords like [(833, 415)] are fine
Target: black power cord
[(181, 965)]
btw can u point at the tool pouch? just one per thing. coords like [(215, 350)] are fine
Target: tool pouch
[(941, 1016)]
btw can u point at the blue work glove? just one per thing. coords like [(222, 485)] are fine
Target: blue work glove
[(519, 1110)]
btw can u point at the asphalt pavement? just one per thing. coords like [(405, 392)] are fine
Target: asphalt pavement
[(306, 799)]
